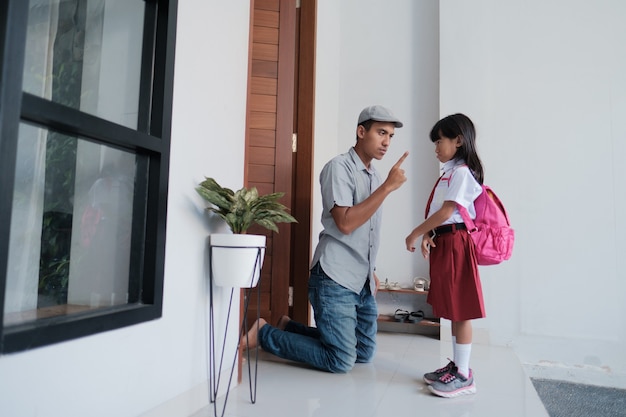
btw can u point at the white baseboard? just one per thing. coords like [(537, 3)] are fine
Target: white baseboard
[(190, 402), (183, 405)]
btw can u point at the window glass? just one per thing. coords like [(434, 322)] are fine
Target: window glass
[(86, 55), (70, 241)]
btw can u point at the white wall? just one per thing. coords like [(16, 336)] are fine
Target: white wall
[(376, 52), (130, 371), (544, 83)]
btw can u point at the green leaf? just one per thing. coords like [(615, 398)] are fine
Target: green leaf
[(241, 208), (214, 198)]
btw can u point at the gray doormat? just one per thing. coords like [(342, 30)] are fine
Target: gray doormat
[(566, 399)]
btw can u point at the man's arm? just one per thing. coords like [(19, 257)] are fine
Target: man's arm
[(349, 219)]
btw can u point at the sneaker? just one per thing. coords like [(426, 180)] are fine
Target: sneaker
[(431, 377), (453, 384)]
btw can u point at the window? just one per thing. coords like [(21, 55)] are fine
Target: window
[(85, 112)]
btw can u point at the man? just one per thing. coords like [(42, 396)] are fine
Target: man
[(343, 282)]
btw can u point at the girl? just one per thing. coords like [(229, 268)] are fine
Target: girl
[(455, 290)]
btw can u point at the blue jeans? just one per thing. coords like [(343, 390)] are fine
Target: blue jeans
[(345, 332)]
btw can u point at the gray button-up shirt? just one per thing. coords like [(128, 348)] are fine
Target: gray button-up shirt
[(348, 259)]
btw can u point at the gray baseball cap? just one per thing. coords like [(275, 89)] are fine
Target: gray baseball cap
[(378, 113)]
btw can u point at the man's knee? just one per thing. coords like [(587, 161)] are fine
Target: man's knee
[(340, 367), (365, 352), (341, 364)]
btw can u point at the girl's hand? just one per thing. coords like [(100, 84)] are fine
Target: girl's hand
[(427, 243), (410, 242)]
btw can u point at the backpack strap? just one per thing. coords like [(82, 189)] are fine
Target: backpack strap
[(469, 223)]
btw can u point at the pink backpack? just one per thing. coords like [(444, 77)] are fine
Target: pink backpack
[(491, 230)]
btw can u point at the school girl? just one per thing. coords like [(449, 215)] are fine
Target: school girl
[(455, 290)]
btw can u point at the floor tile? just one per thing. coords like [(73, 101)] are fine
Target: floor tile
[(390, 386)]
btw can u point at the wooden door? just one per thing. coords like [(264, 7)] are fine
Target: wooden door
[(280, 108), (269, 155)]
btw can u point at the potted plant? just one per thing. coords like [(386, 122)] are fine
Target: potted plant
[(240, 209)]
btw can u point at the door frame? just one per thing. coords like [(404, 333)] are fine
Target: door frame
[(303, 178)]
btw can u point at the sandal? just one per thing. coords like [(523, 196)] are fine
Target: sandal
[(400, 315), (416, 316), (394, 286)]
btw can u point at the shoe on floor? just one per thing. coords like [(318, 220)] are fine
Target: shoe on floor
[(431, 377), (453, 384)]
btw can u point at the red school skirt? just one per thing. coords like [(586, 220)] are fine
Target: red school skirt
[(455, 291)]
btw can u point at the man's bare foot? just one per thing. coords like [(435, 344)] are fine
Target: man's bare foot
[(253, 333), (282, 323)]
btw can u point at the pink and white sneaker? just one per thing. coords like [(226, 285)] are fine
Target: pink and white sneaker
[(453, 384)]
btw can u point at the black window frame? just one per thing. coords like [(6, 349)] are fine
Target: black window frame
[(150, 142)]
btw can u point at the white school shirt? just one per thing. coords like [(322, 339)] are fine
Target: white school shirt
[(459, 185)]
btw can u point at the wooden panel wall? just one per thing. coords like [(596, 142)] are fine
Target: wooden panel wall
[(263, 95), (262, 121)]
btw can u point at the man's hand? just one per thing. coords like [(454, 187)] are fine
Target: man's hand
[(348, 219), (396, 176), (377, 281)]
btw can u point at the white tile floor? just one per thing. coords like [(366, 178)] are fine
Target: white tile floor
[(391, 386)]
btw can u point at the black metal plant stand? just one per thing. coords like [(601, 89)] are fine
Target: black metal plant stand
[(215, 374)]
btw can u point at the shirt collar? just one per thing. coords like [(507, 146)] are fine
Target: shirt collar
[(451, 164), (359, 164)]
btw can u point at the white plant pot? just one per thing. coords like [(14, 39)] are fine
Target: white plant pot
[(235, 259)]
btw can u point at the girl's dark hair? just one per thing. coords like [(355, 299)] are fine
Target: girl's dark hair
[(460, 125)]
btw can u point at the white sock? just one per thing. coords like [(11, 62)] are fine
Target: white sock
[(462, 354), (454, 349)]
